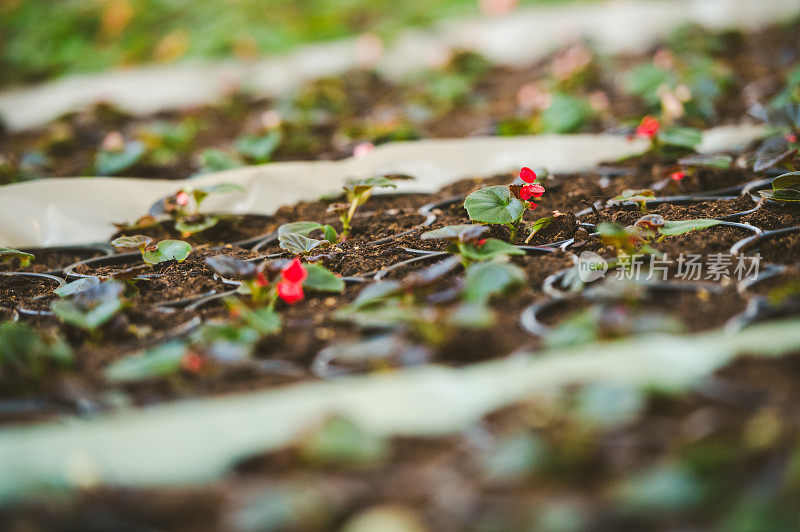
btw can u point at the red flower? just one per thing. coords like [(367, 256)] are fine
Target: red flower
[(527, 175), (182, 198), (481, 242), (261, 279), (677, 176), (648, 127), (531, 191), (532, 206), (294, 272), (192, 362), (791, 137), (290, 292)]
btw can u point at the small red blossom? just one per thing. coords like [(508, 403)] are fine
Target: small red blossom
[(294, 272), (182, 198), (527, 175), (261, 279), (648, 127), (791, 137), (481, 242), (677, 176), (290, 292), (362, 148), (532, 205), (192, 362), (531, 191)]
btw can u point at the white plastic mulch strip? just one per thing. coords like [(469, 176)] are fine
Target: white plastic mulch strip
[(522, 37), (63, 211), (199, 440)]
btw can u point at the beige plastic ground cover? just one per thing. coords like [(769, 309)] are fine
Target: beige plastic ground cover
[(197, 441), (64, 211), (522, 37)]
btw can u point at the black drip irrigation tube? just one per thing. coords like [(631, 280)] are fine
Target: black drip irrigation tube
[(754, 242)]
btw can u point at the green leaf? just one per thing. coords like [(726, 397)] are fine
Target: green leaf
[(22, 347), (471, 316), (494, 205), (785, 188), (789, 180), (330, 234), (566, 114), (114, 162), (264, 321), (223, 188), (84, 283), (357, 187), (713, 161), (374, 293), (135, 241), (645, 80), (683, 137), (680, 227), (300, 228), (159, 361), (214, 160), (462, 232), (320, 279), (485, 279), (340, 441), (490, 249), (8, 254), (259, 149), (299, 244), (537, 226), (74, 314), (168, 250), (188, 226)]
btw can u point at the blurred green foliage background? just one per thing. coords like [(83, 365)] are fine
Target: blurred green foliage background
[(40, 39)]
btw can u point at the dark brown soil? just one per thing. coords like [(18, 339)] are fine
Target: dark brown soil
[(27, 292), (228, 229), (49, 260)]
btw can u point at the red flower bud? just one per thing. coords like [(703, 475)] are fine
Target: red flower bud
[(527, 175), (677, 176), (481, 242), (791, 137), (182, 198), (648, 127), (192, 362), (290, 292), (294, 272), (531, 191), (532, 206), (261, 279)]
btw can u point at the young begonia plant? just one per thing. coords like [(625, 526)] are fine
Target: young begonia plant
[(357, 192), (636, 238), (184, 207), (505, 204), (8, 254), (88, 303), (689, 169), (782, 146), (785, 189), (154, 254), (26, 353), (293, 237), (266, 283), (684, 138), (467, 241), (403, 305)]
